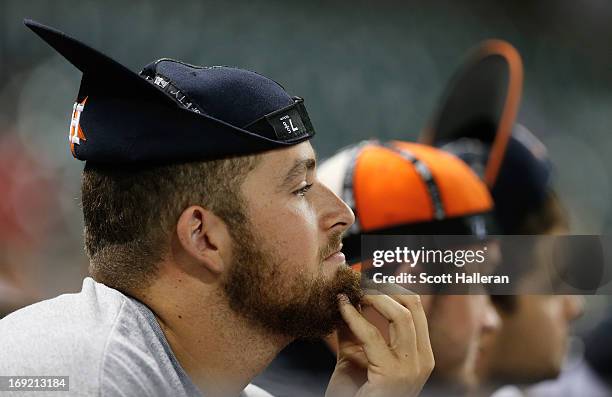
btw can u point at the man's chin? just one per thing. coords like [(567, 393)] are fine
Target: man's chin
[(318, 314), (330, 270), (306, 307)]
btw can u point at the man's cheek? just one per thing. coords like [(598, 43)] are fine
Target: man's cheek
[(305, 217)]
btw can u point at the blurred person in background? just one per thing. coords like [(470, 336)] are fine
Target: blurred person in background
[(476, 122), (590, 376), (212, 244), (28, 214), (404, 189), (13, 293)]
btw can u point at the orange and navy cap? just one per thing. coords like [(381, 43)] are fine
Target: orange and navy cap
[(476, 121), (401, 188)]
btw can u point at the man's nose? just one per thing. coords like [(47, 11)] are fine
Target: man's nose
[(491, 321), (336, 214), (574, 305)]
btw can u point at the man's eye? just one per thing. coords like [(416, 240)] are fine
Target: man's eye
[(302, 191)]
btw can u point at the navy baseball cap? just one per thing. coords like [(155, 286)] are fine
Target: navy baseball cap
[(172, 111), (476, 121)]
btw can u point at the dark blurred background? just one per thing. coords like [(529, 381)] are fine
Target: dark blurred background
[(365, 69)]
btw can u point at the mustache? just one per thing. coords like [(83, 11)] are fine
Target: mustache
[(333, 245)]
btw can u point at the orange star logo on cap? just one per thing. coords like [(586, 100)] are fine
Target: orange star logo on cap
[(76, 134)]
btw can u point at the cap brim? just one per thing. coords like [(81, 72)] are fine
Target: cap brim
[(93, 63), (481, 102)]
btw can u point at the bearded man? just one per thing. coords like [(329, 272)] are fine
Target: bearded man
[(212, 244)]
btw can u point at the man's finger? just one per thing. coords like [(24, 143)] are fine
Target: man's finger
[(374, 345), (349, 348), (402, 331), (413, 303)]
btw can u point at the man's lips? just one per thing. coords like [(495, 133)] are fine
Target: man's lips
[(336, 256)]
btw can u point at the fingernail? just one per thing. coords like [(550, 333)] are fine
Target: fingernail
[(343, 298)]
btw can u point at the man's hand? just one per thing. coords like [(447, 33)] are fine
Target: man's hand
[(367, 366)]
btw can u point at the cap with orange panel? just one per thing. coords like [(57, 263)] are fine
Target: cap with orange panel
[(476, 121), (401, 188)]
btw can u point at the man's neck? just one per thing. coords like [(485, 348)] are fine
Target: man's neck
[(220, 350)]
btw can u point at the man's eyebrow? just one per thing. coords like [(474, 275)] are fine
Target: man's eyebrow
[(299, 167)]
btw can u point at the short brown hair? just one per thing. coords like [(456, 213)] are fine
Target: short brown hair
[(130, 212), (549, 216)]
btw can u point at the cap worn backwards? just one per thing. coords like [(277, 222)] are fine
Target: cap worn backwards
[(173, 111), (476, 121)]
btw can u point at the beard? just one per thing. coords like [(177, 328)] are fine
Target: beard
[(307, 309)]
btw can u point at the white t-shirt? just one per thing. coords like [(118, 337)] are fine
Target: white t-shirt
[(107, 343)]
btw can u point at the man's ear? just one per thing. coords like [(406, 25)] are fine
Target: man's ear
[(203, 237)]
